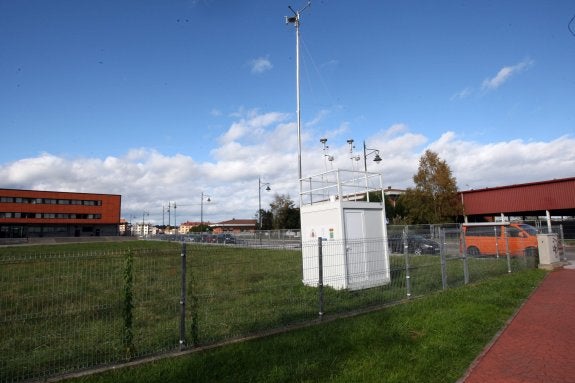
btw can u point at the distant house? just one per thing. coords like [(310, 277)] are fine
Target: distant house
[(124, 227), (186, 226), (234, 226), (393, 194), (143, 229)]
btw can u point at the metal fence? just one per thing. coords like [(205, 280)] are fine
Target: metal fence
[(66, 312)]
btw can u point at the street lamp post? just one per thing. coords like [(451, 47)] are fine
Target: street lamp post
[(260, 185), (143, 221), (202, 209), (132, 216), (175, 222), (376, 159), (169, 214)]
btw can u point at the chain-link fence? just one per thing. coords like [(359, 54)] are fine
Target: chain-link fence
[(66, 312)]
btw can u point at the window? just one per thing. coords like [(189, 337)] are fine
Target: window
[(483, 231)]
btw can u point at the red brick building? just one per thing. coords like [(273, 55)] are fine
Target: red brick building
[(32, 213)]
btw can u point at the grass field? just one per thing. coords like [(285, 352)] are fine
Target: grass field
[(63, 306), (432, 339)]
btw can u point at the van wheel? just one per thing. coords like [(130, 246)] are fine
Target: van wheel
[(473, 251), (531, 252), (418, 251)]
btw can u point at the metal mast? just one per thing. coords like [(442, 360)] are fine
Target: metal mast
[(295, 21)]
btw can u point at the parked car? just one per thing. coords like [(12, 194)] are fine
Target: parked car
[(208, 238), (416, 244), (519, 238), (225, 238), (194, 237)]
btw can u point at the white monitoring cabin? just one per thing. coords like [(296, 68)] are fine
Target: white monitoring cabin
[(336, 206)]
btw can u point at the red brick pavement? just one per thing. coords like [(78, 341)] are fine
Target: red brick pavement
[(538, 345)]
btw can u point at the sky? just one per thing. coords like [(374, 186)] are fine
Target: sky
[(179, 101)]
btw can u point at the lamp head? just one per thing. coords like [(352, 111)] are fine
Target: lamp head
[(377, 158)]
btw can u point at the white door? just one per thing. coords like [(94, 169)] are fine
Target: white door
[(355, 246)]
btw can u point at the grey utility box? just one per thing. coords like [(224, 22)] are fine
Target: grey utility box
[(548, 250)]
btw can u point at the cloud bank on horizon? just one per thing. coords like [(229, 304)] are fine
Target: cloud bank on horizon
[(264, 145)]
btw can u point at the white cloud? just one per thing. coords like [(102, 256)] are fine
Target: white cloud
[(489, 84), (251, 125), (462, 94), (506, 162), (148, 179), (504, 74), (260, 65)]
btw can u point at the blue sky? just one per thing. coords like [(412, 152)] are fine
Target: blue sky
[(162, 100)]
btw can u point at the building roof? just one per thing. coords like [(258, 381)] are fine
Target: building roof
[(535, 198), (235, 222)]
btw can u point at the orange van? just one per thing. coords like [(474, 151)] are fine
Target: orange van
[(494, 239)]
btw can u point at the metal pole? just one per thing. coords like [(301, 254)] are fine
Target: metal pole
[(260, 202), (507, 249), (260, 208), (298, 106), (295, 21), (465, 263), (443, 260), (406, 255), (496, 240), (320, 276), (562, 237), (202, 212), (364, 157), (183, 299)]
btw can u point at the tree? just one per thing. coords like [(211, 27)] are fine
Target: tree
[(266, 220), (284, 213), (434, 198), (200, 228)]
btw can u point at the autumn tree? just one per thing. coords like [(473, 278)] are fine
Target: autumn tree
[(434, 198)]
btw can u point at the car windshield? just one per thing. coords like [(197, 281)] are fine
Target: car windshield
[(529, 229)]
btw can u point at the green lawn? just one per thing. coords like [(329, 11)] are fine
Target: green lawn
[(62, 307), (432, 339)]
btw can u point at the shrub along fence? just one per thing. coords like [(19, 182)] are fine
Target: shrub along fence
[(66, 312)]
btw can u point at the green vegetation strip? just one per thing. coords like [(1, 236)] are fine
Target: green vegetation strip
[(432, 339)]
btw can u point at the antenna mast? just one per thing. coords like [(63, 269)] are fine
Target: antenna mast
[(295, 21)]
